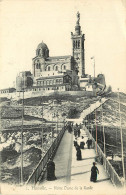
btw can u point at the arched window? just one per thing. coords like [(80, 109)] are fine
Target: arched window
[(73, 44), (76, 44), (50, 82), (56, 68), (48, 68), (38, 66), (79, 44), (64, 67)]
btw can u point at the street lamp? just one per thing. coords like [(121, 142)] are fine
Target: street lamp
[(103, 130), (121, 139), (93, 58)]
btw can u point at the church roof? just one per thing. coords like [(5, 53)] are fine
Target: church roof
[(42, 45), (55, 57), (60, 57)]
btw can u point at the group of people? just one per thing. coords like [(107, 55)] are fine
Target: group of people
[(77, 132), (69, 127), (78, 146)]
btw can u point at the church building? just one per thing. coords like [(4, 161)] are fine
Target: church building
[(50, 73)]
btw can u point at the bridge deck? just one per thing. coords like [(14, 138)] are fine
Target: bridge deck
[(75, 174)]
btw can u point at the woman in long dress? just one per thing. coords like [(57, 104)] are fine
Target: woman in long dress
[(82, 143), (78, 154), (94, 172), (51, 171)]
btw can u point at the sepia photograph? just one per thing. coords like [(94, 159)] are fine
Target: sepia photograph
[(62, 97)]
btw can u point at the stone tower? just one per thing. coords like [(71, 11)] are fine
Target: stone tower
[(78, 47)]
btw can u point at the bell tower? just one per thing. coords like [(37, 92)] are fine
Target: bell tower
[(78, 47)]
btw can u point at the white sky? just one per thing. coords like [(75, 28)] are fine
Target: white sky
[(25, 23)]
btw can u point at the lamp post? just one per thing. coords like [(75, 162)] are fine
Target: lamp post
[(23, 87), (93, 58), (103, 134), (121, 139), (22, 138)]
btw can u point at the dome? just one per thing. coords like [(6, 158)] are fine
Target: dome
[(42, 45), (42, 50)]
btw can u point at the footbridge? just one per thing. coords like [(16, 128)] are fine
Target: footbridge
[(71, 174)]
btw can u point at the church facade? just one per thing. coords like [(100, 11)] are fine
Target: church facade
[(43, 62), (50, 73)]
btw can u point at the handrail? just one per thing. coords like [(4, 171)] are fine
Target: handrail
[(37, 172), (114, 177)]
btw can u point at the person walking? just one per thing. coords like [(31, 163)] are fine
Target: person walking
[(88, 143), (78, 131), (78, 154), (75, 130), (82, 143), (69, 128), (94, 172), (75, 142), (51, 171)]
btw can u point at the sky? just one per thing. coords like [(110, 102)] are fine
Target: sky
[(26, 23)]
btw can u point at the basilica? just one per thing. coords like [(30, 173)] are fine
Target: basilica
[(63, 73), (59, 73), (43, 62)]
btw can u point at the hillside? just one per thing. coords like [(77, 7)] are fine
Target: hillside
[(55, 110)]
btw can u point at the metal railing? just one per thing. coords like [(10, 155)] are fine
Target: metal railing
[(114, 177), (40, 169)]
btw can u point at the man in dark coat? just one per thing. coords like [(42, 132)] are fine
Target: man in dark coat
[(94, 172)]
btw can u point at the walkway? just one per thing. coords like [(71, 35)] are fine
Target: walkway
[(62, 160), (73, 177)]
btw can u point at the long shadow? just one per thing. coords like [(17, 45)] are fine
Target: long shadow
[(82, 165), (73, 174), (90, 158), (98, 181), (85, 148)]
